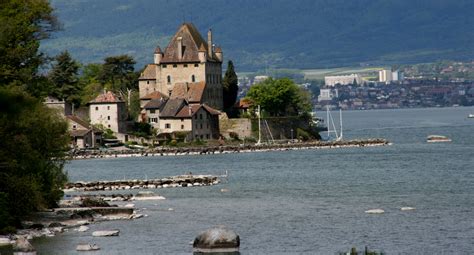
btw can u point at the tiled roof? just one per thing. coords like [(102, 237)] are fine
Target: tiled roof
[(211, 110), (78, 120), (154, 95), (192, 92), (149, 73), (172, 107), (79, 133), (155, 104), (191, 41), (108, 97), (188, 111)]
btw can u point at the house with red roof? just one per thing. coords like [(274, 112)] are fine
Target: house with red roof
[(109, 111)]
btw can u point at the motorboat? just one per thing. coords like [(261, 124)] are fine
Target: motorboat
[(437, 138)]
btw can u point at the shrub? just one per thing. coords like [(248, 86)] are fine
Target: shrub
[(234, 136), (302, 135)]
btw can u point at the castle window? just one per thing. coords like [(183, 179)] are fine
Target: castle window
[(193, 78), (167, 125), (152, 111), (185, 65), (169, 79), (96, 108), (196, 65), (147, 82), (200, 116), (74, 127), (207, 136), (175, 65), (108, 117), (182, 126), (164, 66), (108, 107), (108, 126), (182, 119)]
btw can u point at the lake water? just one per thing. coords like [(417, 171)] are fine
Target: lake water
[(309, 201)]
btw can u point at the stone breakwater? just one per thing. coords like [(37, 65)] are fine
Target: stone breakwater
[(170, 182), (173, 151)]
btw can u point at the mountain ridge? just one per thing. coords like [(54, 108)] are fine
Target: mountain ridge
[(273, 34)]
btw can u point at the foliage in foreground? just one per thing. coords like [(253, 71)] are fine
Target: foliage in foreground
[(34, 141)]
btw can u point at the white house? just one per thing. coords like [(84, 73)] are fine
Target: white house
[(110, 111)]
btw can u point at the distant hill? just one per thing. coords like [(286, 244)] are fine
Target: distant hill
[(260, 34)]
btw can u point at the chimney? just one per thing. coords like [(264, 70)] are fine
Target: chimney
[(209, 43), (180, 47)]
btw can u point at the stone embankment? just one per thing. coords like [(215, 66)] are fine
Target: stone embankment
[(171, 182), (174, 151)]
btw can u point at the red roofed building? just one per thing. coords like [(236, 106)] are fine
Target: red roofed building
[(110, 111)]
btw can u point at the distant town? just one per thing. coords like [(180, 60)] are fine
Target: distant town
[(442, 84)]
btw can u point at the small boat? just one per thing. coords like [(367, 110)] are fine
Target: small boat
[(437, 138), (470, 115), (87, 247)]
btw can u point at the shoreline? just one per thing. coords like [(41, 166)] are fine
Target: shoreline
[(170, 151)]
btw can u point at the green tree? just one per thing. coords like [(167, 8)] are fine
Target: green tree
[(90, 82), (23, 23), (280, 97), (64, 78), (118, 73), (34, 144), (230, 85)]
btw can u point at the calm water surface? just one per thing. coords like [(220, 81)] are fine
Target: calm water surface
[(309, 201)]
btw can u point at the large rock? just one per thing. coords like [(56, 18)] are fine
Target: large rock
[(23, 247), (106, 233), (87, 247), (217, 240)]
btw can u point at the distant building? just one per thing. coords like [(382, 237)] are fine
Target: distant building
[(82, 134), (342, 79), (110, 111), (64, 108), (385, 76), (397, 76), (388, 76), (259, 78), (327, 94)]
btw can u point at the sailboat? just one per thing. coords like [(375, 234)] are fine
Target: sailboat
[(332, 127), (267, 129)]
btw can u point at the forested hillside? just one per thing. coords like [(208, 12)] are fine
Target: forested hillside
[(273, 33)]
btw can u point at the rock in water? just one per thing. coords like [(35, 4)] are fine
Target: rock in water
[(219, 239), (87, 247), (375, 211), (83, 229), (23, 247), (106, 233)]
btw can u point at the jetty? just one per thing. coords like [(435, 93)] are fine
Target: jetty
[(206, 150), (169, 182)]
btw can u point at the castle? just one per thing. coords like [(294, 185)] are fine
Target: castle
[(188, 61), (188, 76)]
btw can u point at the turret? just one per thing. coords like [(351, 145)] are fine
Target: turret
[(202, 54), (209, 43), (219, 54), (158, 55)]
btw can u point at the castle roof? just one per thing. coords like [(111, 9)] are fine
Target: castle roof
[(108, 97), (193, 92), (149, 73), (157, 50), (191, 41)]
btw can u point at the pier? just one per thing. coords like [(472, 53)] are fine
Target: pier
[(170, 182), (177, 151)]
